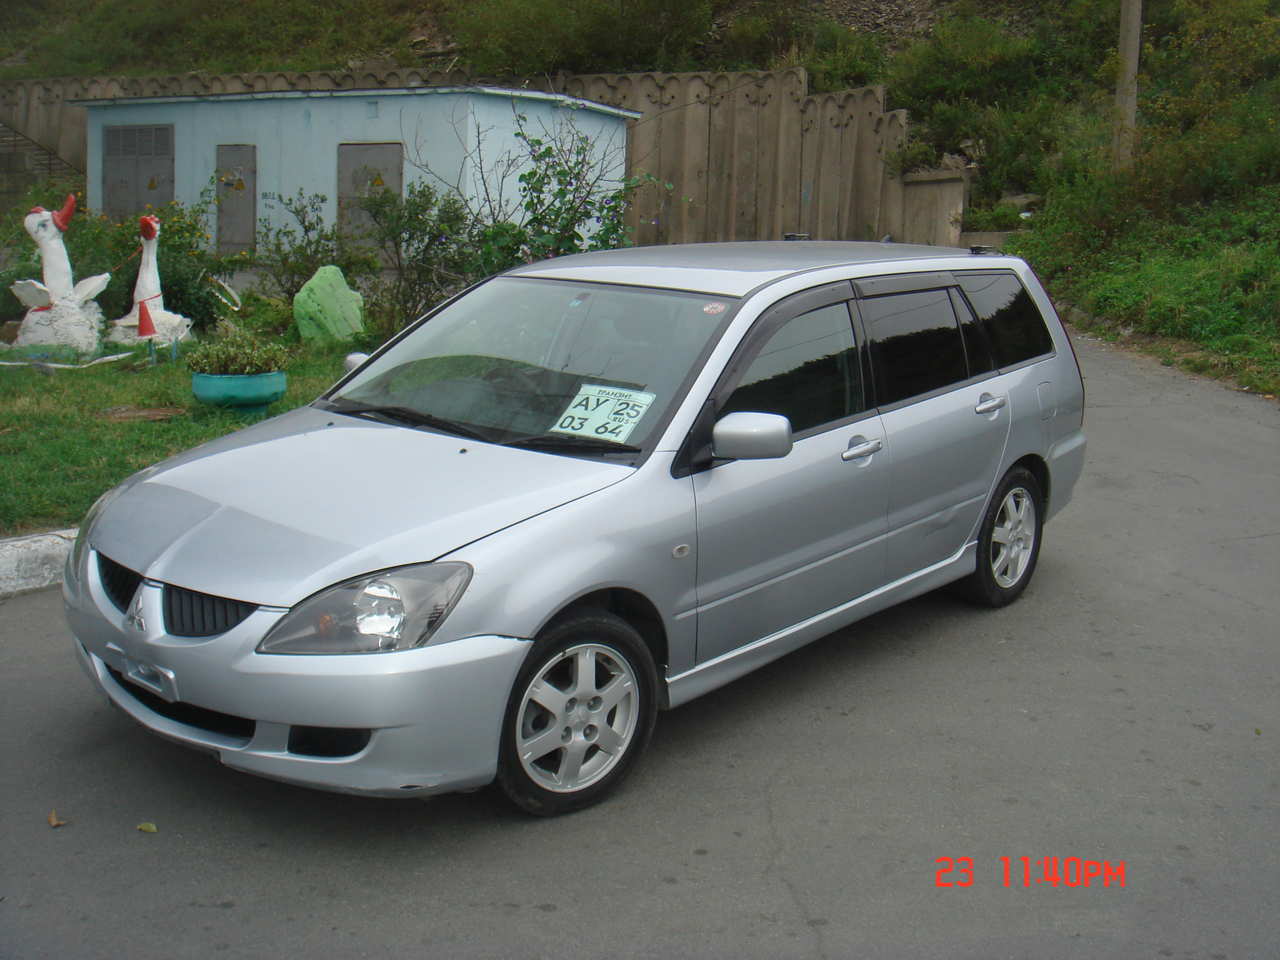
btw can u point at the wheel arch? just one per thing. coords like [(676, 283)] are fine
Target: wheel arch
[(1040, 470), (637, 610)]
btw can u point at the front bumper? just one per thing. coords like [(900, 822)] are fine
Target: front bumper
[(432, 715)]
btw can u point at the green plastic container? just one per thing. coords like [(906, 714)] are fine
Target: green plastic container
[(250, 393)]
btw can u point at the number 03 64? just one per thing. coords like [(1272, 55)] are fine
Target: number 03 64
[(1032, 871)]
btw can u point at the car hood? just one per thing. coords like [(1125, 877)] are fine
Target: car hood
[(276, 512)]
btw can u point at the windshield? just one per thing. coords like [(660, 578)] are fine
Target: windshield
[(566, 366)]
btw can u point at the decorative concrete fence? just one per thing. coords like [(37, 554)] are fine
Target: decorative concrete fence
[(750, 155)]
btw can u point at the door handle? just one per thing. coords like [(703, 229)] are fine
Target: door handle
[(989, 404), (866, 448)]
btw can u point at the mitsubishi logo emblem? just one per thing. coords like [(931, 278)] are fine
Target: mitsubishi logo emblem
[(134, 616)]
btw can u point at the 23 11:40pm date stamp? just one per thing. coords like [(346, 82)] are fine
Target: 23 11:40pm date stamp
[(1034, 871)]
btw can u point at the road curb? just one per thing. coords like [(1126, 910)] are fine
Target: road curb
[(35, 561)]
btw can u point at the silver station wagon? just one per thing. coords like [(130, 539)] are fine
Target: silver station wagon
[(581, 492)]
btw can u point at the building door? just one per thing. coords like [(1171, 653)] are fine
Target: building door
[(137, 169), (236, 172), (364, 168)]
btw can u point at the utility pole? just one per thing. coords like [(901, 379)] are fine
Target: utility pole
[(1127, 85)]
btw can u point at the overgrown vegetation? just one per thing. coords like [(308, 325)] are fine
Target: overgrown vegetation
[(150, 37), (524, 37)]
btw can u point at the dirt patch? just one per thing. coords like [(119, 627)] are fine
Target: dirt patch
[(125, 414)]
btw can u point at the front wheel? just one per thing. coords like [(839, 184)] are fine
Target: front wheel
[(580, 713), (1009, 542)]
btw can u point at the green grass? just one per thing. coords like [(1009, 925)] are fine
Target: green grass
[(58, 450), (1203, 286), (159, 37)]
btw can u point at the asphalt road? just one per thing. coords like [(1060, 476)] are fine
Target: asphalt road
[(1125, 710)]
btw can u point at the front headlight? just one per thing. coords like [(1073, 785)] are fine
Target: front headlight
[(396, 609)]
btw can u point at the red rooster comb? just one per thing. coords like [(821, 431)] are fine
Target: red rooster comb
[(148, 226), (62, 218)]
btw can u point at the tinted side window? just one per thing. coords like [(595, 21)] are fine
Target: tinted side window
[(1009, 316), (976, 347), (915, 343), (807, 371)]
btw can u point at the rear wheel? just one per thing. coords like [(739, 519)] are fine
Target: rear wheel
[(580, 713), (1009, 542)]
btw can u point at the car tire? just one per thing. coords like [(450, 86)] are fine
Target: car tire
[(1009, 541), (580, 713)]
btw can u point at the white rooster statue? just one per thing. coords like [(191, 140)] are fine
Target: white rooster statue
[(148, 298), (58, 314)]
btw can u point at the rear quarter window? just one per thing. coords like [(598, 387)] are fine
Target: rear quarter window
[(1008, 315)]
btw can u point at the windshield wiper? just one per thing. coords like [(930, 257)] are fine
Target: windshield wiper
[(567, 441), (407, 416)]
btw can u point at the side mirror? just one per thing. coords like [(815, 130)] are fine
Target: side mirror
[(751, 436), (353, 360)]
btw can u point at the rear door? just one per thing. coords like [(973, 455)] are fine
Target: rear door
[(945, 412), (782, 540)]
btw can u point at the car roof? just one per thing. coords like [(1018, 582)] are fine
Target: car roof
[(728, 269)]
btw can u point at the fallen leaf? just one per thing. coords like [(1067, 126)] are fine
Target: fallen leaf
[(148, 827), (54, 821)]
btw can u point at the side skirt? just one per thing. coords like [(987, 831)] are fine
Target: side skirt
[(727, 667)]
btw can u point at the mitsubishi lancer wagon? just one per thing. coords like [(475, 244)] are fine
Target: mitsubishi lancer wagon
[(579, 493)]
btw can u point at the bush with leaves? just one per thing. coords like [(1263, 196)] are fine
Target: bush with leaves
[(233, 351), (568, 201), (289, 253), (422, 242), (778, 35)]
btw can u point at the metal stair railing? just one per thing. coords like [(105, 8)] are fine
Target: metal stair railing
[(41, 160)]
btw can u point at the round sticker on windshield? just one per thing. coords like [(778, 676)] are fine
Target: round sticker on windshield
[(713, 308)]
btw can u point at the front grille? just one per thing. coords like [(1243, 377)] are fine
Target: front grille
[(191, 614), (186, 713), (120, 583)]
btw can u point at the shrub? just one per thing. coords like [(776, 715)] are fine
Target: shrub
[(266, 316), (779, 35), (236, 351), (1003, 216), (289, 254), (422, 241), (525, 37), (568, 201)]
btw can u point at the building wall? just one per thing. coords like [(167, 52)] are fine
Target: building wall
[(297, 136)]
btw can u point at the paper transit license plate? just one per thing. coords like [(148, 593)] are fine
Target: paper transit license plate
[(610, 413)]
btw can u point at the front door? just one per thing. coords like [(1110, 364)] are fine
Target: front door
[(782, 540)]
